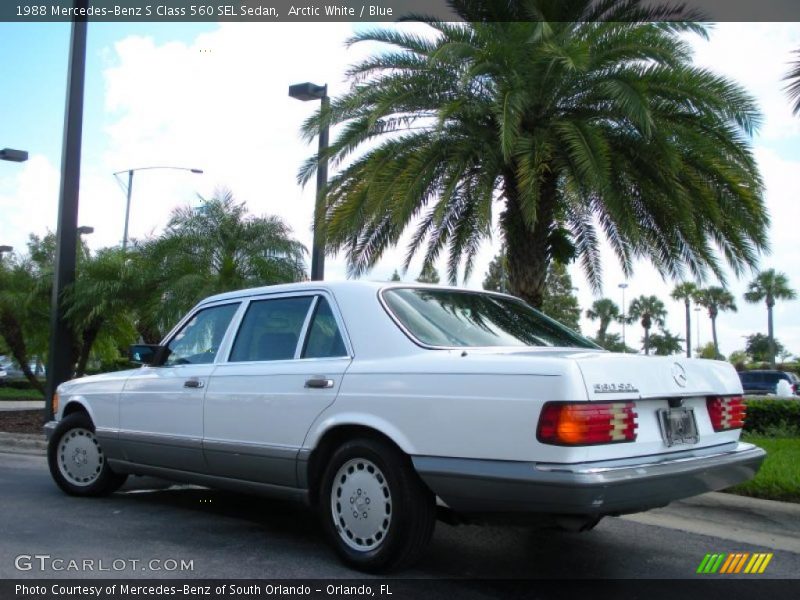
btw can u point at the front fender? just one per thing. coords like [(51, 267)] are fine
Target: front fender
[(72, 402)]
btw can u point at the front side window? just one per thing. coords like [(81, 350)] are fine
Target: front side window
[(470, 319), (199, 340), (271, 329)]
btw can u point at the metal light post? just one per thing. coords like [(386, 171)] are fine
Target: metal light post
[(60, 366), (12, 155), (623, 287), (309, 91), (129, 191)]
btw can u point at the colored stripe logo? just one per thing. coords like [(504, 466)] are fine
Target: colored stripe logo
[(736, 562)]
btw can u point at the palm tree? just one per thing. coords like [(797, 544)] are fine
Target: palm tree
[(605, 310), (770, 286), (715, 299), (496, 278), (649, 310), (572, 120), (103, 302), (686, 291), (665, 343), (19, 324), (213, 249), (793, 87), (429, 274)]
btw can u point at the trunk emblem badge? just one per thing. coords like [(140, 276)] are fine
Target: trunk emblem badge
[(679, 374), (614, 388)]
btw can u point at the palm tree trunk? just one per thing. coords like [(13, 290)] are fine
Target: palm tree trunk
[(87, 341), (714, 335), (771, 333), (688, 330), (526, 248), (646, 341), (601, 334)]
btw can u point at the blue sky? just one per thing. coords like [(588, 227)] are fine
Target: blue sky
[(214, 96), (34, 80)]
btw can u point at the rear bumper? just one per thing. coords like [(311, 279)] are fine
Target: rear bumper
[(596, 488)]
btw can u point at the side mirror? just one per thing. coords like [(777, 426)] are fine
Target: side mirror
[(143, 354)]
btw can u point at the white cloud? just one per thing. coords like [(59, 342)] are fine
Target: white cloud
[(220, 104), (30, 204), (757, 56)]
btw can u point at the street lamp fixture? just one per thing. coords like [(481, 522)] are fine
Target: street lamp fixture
[(13, 155), (623, 287), (129, 191), (305, 92), (4, 249), (85, 230)]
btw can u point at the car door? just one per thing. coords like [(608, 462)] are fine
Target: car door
[(161, 406), (285, 367)]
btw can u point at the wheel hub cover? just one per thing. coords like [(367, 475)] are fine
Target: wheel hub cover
[(80, 458), (361, 504)]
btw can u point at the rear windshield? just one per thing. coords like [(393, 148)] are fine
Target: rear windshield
[(470, 319)]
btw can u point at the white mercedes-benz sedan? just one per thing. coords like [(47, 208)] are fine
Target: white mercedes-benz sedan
[(385, 406)]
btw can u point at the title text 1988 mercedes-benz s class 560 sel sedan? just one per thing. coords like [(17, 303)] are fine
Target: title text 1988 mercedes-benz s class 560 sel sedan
[(386, 405)]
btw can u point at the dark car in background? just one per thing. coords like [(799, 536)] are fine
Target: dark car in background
[(766, 382)]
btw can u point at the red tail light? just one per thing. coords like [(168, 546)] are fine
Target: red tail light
[(726, 413), (586, 424)]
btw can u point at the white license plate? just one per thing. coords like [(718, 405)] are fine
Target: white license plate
[(678, 426)]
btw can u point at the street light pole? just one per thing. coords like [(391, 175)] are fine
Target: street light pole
[(623, 286), (60, 366), (309, 91), (130, 192), (127, 211)]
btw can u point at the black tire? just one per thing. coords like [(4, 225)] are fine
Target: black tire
[(409, 507), (77, 432)]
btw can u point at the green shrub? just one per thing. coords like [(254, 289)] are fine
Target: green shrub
[(773, 417), (17, 384)]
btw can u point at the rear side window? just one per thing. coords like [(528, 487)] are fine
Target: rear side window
[(271, 329), (324, 339), (450, 318)]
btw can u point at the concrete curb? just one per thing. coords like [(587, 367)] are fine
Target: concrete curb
[(746, 521), (23, 443)]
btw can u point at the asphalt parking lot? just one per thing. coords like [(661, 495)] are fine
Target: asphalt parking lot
[(225, 535)]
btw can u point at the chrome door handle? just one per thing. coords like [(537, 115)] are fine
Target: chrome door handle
[(320, 383), (193, 383)]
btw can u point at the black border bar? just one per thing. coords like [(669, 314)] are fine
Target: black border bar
[(310, 11)]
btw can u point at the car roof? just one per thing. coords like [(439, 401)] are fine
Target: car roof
[(334, 286)]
